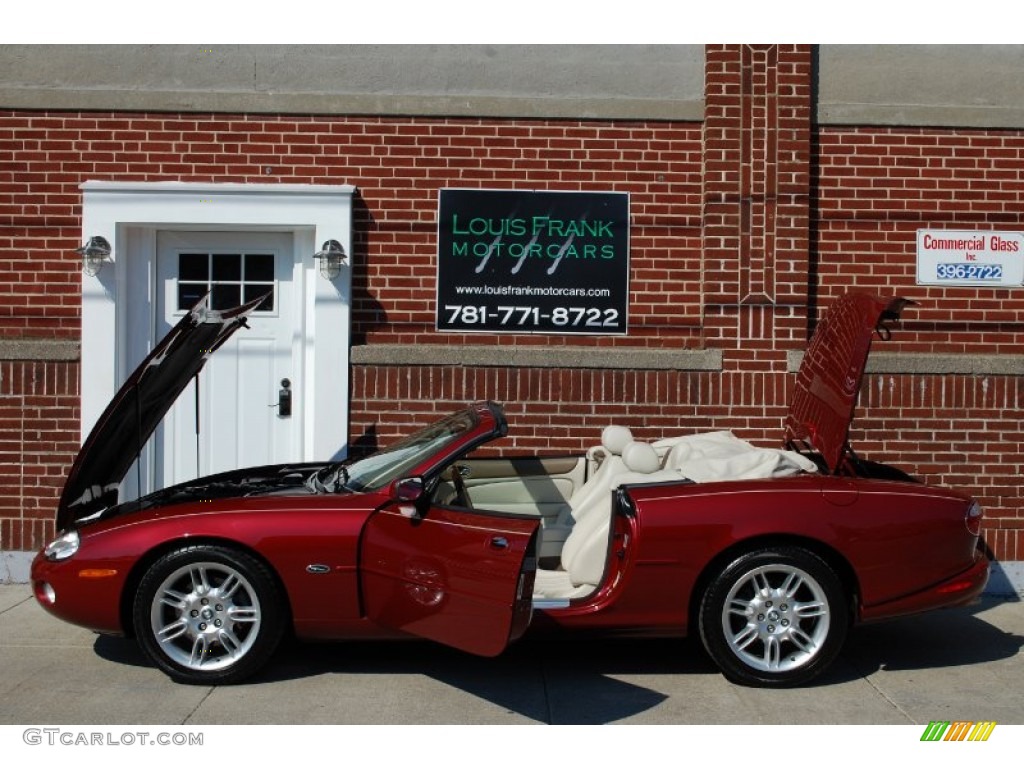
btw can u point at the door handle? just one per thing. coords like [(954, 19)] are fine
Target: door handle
[(284, 399), (499, 542)]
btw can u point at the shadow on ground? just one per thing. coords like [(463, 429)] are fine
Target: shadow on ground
[(592, 669), (957, 637)]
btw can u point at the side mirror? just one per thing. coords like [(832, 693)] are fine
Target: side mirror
[(408, 489)]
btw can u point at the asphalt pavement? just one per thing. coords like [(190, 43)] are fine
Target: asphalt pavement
[(957, 664)]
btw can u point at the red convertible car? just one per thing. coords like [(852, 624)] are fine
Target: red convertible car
[(769, 556)]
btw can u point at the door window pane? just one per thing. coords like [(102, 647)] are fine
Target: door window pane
[(194, 266), (227, 266), (190, 293), (231, 277), (253, 292), (225, 296), (259, 266)]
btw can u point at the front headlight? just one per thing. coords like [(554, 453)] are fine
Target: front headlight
[(63, 547)]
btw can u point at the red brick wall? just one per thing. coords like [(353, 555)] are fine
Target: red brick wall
[(400, 166), (552, 410), (875, 188), (962, 431), (743, 228), (39, 413)]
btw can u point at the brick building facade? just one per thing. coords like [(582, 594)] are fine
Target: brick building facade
[(746, 221)]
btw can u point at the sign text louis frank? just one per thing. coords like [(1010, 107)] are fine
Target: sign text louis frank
[(957, 257)]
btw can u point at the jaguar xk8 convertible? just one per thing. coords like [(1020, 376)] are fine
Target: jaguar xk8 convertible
[(768, 555)]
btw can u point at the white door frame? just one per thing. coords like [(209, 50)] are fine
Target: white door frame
[(128, 215)]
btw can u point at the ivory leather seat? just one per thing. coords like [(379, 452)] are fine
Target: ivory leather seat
[(614, 440), (586, 549)]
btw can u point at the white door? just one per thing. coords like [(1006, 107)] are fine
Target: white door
[(242, 421)]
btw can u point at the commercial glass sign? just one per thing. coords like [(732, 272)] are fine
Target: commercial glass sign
[(532, 262), (970, 258)]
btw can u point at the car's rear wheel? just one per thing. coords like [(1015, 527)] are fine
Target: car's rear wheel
[(774, 617), (208, 615)]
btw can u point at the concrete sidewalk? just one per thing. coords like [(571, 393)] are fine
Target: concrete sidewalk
[(960, 664)]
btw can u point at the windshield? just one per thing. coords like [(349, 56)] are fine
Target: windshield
[(377, 470)]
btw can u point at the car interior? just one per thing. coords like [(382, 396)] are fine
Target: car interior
[(573, 495)]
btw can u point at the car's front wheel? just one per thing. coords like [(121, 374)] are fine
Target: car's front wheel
[(208, 615), (774, 617)]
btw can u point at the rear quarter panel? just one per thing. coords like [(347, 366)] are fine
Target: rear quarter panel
[(897, 538)]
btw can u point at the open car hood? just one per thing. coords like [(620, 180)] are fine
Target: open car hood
[(131, 417), (830, 375)]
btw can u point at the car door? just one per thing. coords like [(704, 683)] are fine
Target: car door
[(460, 577)]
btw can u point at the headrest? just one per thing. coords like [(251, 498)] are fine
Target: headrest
[(615, 439), (641, 457)]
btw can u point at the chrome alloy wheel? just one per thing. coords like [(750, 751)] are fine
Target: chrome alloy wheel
[(776, 618), (205, 616)]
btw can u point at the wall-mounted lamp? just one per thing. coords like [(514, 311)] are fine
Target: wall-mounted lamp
[(95, 253), (331, 256)]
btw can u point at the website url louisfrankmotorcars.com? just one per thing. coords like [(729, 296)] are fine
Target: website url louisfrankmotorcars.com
[(527, 290)]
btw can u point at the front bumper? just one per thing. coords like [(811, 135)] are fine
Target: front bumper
[(86, 593)]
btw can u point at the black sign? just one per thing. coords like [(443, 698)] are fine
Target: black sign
[(529, 262)]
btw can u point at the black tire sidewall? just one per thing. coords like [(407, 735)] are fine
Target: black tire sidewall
[(272, 614), (713, 604)]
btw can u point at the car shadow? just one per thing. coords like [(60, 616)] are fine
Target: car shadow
[(544, 677), (543, 680), (955, 637), (119, 650)]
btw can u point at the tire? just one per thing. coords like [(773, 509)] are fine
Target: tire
[(774, 617), (208, 615)]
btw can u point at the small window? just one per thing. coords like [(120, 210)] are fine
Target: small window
[(230, 278), (227, 266)]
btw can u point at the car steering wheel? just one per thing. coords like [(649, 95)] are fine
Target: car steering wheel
[(461, 498)]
